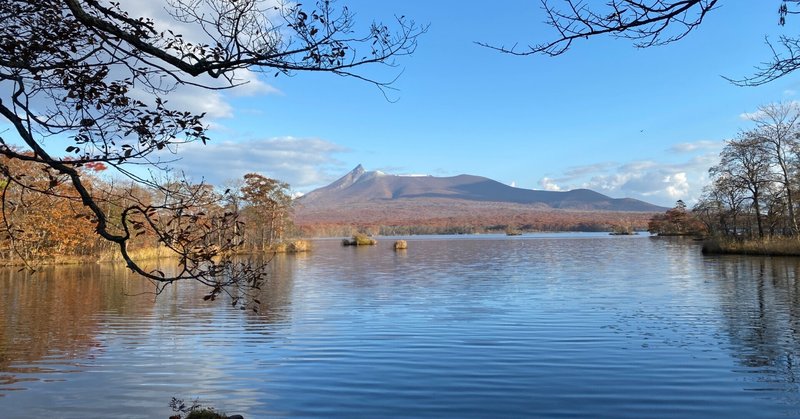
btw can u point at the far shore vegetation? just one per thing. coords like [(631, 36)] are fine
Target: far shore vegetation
[(606, 222)]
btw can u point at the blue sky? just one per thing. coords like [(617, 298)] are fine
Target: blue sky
[(627, 122)]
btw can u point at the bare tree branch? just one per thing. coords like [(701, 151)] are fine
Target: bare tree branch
[(647, 22)]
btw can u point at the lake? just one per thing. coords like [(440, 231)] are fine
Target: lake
[(540, 325)]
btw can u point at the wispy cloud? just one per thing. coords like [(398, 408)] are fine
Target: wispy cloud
[(697, 146), (249, 83), (579, 171), (749, 116), (302, 162)]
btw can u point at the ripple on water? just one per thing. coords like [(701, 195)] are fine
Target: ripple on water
[(549, 326)]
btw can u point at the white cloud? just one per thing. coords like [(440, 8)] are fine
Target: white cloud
[(548, 184), (678, 185), (653, 181), (301, 162), (197, 100), (789, 92)]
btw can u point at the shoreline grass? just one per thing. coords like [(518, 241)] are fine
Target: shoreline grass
[(145, 254), (767, 246), (104, 257), (294, 246)]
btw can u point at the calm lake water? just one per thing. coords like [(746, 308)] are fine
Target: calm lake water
[(559, 325)]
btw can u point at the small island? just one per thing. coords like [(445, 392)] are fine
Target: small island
[(359, 239), (623, 230)]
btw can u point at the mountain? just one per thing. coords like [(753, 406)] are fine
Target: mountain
[(362, 188)]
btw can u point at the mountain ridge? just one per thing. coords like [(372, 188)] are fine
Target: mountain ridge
[(359, 187)]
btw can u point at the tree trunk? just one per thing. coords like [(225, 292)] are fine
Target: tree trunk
[(788, 188), (790, 205), (757, 208)]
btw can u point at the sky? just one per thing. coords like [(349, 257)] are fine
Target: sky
[(626, 122)]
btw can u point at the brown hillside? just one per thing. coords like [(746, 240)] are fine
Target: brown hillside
[(382, 202)]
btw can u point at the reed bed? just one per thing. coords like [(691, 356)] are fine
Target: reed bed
[(767, 246)]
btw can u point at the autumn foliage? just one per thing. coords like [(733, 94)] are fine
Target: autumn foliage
[(44, 220), (676, 221)]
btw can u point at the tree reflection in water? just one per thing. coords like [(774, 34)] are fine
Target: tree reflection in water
[(760, 304), (54, 315), (59, 319)]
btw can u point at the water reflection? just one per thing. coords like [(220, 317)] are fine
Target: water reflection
[(760, 302), (276, 297), (568, 325), (50, 319), (60, 319)]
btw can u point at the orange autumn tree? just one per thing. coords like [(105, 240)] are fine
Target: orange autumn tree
[(42, 221), (267, 211), (677, 221)]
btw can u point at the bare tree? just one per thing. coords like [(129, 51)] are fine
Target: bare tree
[(746, 163), (731, 195), (651, 23), (90, 74), (778, 127)]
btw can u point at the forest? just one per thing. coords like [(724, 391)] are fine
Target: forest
[(44, 221)]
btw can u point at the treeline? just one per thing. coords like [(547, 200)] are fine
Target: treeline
[(43, 218), (753, 190), (602, 222)]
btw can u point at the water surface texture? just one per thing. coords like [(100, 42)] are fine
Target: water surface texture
[(559, 325)]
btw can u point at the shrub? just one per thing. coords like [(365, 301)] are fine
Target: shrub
[(360, 239)]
